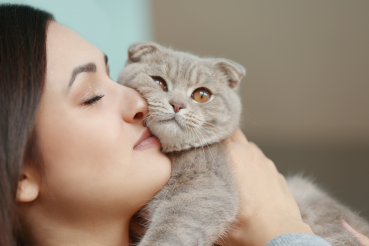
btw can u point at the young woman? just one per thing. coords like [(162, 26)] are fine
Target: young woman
[(76, 161)]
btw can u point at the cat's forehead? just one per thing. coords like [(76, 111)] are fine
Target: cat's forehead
[(180, 67), (176, 59)]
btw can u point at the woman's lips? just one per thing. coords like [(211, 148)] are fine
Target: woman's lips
[(146, 141)]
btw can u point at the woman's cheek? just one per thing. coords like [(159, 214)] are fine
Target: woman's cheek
[(91, 164)]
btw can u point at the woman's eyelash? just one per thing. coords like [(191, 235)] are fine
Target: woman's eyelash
[(93, 100)]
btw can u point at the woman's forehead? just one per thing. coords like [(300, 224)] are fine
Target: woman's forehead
[(64, 43), (66, 49)]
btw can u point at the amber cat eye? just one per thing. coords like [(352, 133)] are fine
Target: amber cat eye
[(201, 95), (161, 82)]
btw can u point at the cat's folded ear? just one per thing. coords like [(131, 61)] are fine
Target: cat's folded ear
[(140, 49), (232, 70)]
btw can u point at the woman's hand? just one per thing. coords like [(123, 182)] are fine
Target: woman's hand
[(268, 208), (363, 240)]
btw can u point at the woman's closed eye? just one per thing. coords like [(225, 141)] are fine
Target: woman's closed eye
[(93, 100)]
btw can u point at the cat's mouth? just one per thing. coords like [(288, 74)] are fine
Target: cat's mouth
[(174, 120)]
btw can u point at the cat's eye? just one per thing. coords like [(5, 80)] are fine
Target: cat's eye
[(161, 82), (201, 95)]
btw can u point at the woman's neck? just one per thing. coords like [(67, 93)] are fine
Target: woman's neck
[(41, 230)]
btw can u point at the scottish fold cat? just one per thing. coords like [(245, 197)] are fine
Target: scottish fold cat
[(193, 107)]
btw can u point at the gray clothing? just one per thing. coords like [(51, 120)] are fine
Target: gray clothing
[(298, 239)]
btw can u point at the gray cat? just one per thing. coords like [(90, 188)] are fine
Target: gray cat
[(193, 108)]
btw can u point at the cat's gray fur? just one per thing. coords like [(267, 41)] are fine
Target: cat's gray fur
[(200, 201), (323, 213)]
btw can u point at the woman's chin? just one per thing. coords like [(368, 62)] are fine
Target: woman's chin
[(155, 167)]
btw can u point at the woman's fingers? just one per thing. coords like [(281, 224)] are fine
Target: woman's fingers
[(363, 240), (269, 207)]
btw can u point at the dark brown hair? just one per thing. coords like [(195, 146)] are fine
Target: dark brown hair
[(22, 76)]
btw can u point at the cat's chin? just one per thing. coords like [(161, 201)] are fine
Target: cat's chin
[(175, 138), (168, 131), (173, 146), (174, 142), (178, 146), (168, 148)]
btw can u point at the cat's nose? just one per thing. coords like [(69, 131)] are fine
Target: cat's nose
[(176, 106)]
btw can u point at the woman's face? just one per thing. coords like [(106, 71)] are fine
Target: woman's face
[(88, 127)]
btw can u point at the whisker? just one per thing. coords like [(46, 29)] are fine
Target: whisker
[(209, 132), (201, 145), (187, 133), (220, 129), (206, 143), (147, 125), (193, 136), (147, 117)]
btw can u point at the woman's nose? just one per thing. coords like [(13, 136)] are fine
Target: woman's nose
[(135, 107)]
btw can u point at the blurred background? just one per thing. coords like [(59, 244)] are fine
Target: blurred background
[(306, 92)]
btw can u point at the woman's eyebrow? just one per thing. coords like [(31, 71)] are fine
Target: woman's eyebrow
[(88, 68), (106, 59)]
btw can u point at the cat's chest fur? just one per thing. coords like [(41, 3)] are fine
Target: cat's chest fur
[(197, 162), (200, 170)]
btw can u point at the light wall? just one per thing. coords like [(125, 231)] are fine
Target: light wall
[(111, 25)]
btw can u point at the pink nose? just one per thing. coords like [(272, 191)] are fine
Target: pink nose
[(176, 106)]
